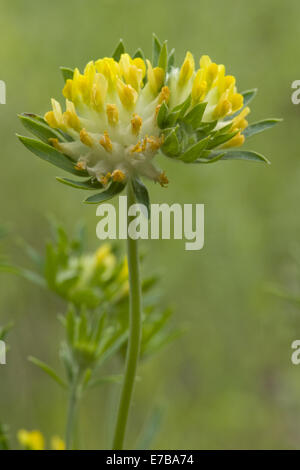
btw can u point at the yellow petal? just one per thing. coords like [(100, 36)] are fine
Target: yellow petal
[(237, 101), (199, 89), (136, 124), (140, 64), (89, 73), (67, 91), (85, 138), (156, 77), (164, 95), (99, 91), (236, 141), (187, 69), (106, 142), (133, 70), (112, 114), (211, 74), (110, 69), (50, 119), (205, 61), (57, 111), (127, 94), (223, 107), (70, 117), (240, 121)]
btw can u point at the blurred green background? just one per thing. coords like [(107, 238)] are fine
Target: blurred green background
[(228, 382)]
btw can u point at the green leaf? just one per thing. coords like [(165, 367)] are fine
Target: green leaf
[(242, 155), (25, 273), (260, 126), (223, 130), (98, 331), (194, 151), (119, 50), (183, 107), (206, 128), (194, 117), (150, 431), (163, 56), (113, 190), (248, 96), (141, 194), (48, 370), (89, 184), (115, 379), (59, 133), (67, 73), (116, 345), (38, 128), (210, 160), (221, 139), (87, 377), (156, 48), (162, 115), (50, 155), (5, 329), (171, 60), (31, 252), (171, 144), (139, 53)]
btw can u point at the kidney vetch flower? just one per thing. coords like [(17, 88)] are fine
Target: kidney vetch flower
[(122, 110)]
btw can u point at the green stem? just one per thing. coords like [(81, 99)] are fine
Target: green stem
[(72, 412), (135, 320)]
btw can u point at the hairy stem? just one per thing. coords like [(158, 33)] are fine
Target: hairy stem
[(133, 348)]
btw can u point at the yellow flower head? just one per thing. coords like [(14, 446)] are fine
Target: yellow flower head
[(57, 443), (34, 440), (122, 110), (31, 440)]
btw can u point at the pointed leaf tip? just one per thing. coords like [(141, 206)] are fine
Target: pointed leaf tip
[(141, 194), (119, 50), (88, 184), (113, 190), (260, 126), (156, 49), (50, 155), (67, 73), (249, 155), (163, 57)]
